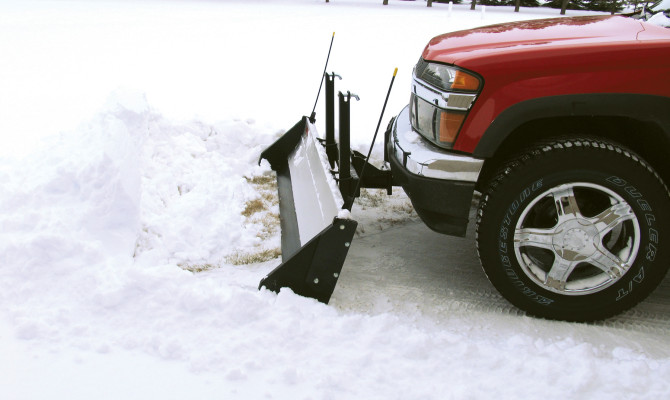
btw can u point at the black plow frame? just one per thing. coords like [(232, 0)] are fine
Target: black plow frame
[(312, 269)]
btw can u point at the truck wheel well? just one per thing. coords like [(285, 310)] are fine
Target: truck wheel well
[(646, 139)]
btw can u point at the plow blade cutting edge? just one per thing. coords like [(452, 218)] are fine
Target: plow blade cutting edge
[(316, 231)]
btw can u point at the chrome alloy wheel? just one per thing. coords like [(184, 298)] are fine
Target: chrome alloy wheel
[(576, 239)]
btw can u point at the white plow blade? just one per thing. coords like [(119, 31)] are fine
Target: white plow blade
[(315, 193), (316, 232)]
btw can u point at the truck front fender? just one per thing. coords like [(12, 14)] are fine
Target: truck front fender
[(644, 108)]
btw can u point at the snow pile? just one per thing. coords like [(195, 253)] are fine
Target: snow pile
[(196, 188), (74, 206)]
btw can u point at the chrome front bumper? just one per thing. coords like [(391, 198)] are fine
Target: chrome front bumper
[(439, 183), (424, 159)]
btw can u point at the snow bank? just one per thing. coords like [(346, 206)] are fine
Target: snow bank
[(196, 186), (100, 214), (75, 202)]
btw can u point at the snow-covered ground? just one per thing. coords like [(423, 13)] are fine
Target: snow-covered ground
[(135, 222)]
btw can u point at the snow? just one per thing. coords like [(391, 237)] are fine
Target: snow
[(136, 222), (662, 5), (659, 19)]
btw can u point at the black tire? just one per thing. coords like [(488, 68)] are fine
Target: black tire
[(572, 230)]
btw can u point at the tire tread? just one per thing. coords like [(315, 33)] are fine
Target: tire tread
[(509, 168)]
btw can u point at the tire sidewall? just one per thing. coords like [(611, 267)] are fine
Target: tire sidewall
[(625, 176)]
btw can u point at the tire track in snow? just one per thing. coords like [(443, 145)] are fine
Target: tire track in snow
[(423, 275)]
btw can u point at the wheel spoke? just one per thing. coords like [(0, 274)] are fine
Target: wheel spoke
[(559, 273), (611, 217), (566, 203), (609, 263), (534, 237)]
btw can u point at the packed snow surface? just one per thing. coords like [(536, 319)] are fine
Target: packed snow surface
[(136, 222)]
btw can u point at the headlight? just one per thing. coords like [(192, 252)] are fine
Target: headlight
[(435, 124), (441, 98), (446, 77)]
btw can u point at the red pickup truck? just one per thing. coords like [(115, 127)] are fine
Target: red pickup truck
[(563, 126)]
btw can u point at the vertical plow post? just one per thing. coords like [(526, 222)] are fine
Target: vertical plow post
[(348, 177), (331, 145)]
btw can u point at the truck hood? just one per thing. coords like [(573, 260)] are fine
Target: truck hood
[(523, 36)]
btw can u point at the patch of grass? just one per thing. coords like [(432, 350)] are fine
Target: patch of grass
[(270, 223), (371, 198), (266, 180), (257, 211), (270, 197), (198, 267), (405, 207), (254, 257), (266, 185), (253, 206)]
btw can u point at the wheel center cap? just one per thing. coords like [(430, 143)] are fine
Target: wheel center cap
[(575, 240)]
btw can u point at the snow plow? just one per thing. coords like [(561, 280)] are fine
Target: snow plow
[(317, 180)]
